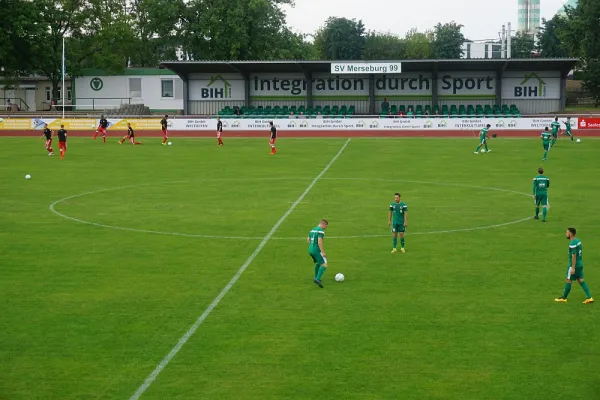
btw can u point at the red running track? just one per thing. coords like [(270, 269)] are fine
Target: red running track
[(302, 133)]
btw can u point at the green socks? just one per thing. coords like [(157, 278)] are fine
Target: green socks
[(567, 290), (402, 242), (544, 212), (321, 272), (477, 149), (486, 149), (553, 141), (316, 270), (537, 211), (586, 289), (394, 242), (545, 154)]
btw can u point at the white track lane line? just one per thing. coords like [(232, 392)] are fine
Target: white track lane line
[(152, 377)]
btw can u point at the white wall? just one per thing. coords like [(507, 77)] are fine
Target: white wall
[(116, 90)]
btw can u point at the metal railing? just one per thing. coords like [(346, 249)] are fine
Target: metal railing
[(100, 103)]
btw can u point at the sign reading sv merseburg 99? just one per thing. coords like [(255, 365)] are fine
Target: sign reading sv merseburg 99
[(366, 68)]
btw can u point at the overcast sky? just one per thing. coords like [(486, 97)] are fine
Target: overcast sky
[(482, 19)]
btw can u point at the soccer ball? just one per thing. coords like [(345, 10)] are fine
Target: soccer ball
[(483, 150), (339, 277), (28, 177), (1, 120), (578, 140), (170, 143)]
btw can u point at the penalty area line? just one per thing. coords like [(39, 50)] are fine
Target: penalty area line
[(182, 341)]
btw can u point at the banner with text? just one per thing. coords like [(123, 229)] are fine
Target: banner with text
[(324, 124)]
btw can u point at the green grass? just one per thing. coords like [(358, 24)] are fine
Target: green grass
[(89, 311)]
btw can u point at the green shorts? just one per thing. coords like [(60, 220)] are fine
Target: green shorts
[(578, 274), (555, 135), (398, 228), (318, 258), (546, 146), (541, 199)]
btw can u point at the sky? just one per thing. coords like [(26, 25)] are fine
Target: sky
[(482, 19)]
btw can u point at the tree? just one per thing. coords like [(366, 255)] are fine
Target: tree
[(419, 45), (582, 35), (549, 43), (157, 30), (17, 37), (341, 39), (384, 46), (522, 45), (448, 41), (238, 30)]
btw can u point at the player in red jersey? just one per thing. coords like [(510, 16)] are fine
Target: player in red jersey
[(62, 141), (102, 126), (273, 138), (163, 125), (219, 131), (130, 135), (48, 135)]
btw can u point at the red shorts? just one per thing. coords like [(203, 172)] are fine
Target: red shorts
[(62, 145), (48, 143), (272, 141), (218, 135), (102, 130), (132, 140), (165, 133)]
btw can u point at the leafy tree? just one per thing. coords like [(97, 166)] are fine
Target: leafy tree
[(522, 45), (384, 46), (549, 43), (341, 39), (419, 45), (448, 41), (156, 29), (582, 36), (17, 37)]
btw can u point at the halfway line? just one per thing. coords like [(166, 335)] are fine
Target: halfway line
[(232, 282)]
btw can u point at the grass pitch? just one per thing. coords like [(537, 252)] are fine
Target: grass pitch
[(142, 240)]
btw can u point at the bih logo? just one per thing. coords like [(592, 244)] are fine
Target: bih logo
[(442, 124), (428, 124), (96, 84), (360, 124), (291, 124), (212, 91), (235, 124), (303, 124), (500, 124), (374, 124), (531, 86)]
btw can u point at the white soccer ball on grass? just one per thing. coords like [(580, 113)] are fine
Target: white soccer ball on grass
[(28, 177), (578, 140), (483, 150), (170, 143), (339, 277)]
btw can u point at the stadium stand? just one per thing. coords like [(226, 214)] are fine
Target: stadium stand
[(417, 111)]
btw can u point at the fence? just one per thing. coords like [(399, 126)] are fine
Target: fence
[(97, 104)]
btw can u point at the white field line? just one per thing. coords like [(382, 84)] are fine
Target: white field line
[(182, 341)]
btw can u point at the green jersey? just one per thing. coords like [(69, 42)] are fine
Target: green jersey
[(541, 183), (568, 126), (546, 137), (398, 211), (555, 127), (314, 235), (483, 134), (575, 248)]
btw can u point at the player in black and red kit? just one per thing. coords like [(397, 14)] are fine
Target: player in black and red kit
[(48, 135), (102, 126), (62, 141), (219, 131), (163, 126), (273, 137), (130, 135)]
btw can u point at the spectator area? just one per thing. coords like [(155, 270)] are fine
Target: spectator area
[(285, 111), (453, 111)]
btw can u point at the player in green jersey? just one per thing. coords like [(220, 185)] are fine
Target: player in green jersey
[(397, 220), (315, 249), (575, 269), (555, 128), (541, 183), (483, 135), (545, 136), (568, 128)]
